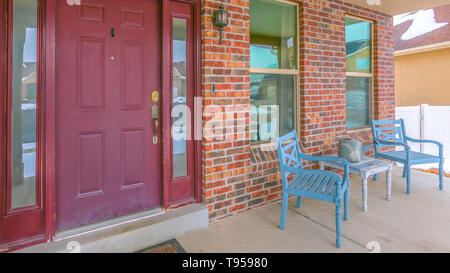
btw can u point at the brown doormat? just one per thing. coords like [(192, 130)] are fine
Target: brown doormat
[(171, 246)]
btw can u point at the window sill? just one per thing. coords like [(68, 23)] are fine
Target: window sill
[(359, 129), (264, 145)]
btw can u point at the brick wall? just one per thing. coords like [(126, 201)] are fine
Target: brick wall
[(323, 73), (226, 154), (238, 176)]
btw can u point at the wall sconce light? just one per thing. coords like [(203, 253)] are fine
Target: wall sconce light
[(220, 19)]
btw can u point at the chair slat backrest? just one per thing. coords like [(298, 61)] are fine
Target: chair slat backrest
[(288, 155), (388, 130)]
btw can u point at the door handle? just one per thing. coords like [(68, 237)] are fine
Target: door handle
[(155, 117)]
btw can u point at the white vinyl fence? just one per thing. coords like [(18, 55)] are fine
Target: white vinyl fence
[(428, 122)]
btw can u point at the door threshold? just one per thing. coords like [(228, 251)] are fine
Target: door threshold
[(107, 224), (128, 233), (22, 243)]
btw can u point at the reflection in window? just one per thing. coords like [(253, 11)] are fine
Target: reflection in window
[(358, 44), (273, 58), (273, 37), (179, 128), (358, 101), (272, 105), (24, 82)]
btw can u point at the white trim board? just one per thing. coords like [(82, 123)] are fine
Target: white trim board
[(421, 49)]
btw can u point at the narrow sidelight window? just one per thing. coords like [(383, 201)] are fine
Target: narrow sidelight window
[(23, 99), (179, 78)]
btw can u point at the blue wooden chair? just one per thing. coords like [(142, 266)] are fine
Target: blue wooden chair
[(321, 185), (392, 133)]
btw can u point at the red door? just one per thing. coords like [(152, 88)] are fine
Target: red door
[(108, 65)]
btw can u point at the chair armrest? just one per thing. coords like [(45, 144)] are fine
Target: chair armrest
[(331, 158), (392, 143), (325, 158), (423, 141), (441, 147)]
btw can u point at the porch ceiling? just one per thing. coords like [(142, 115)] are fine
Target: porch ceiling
[(395, 7)]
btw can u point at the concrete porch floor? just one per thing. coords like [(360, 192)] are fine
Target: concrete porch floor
[(419, 222)]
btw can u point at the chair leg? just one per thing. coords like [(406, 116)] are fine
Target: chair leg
[(346, 205), (404, 171), (375, 177), (408, 179), (299, 201), (338, 224), (284, 210), (441, 174)]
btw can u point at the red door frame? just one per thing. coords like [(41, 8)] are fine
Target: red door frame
[(32, 217), (166, 85), (49, 106), (169, 199), (50, 117), (3, 56)]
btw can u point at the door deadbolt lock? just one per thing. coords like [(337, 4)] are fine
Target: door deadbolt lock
[(155, 96)]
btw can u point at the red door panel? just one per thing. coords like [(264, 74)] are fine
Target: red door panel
[(108, 63)]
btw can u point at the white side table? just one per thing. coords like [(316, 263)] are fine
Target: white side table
[(367, 167)]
